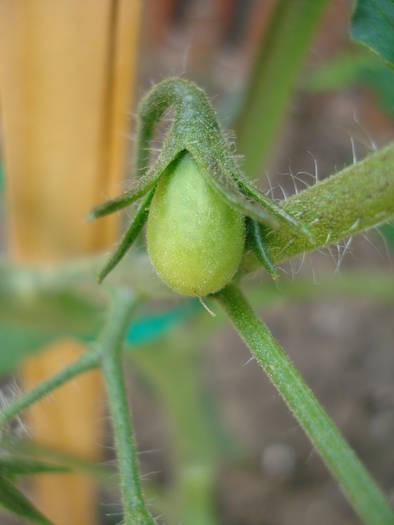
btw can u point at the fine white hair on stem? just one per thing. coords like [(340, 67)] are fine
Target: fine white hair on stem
[(270, 191), (308, 173), (301, 180), (283, 192), (248, 361), (282, 269), (301, 264), (385, 244), (185, 59), (367, 140), (150, 475), (316, 166), (354, 152), (293, 180), (341, 255), (10, 392), (286, 246), (355, 225), (314, 221), (332, 256), (369, 241), (338, 246)]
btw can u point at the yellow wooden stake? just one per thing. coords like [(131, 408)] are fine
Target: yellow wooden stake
[(66, 77)]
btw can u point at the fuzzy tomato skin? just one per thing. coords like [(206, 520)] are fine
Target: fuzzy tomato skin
[(195, 239)]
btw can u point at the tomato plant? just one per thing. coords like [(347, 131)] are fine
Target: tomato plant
[(207, 226)]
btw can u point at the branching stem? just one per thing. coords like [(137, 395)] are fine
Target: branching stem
[(356, 483), (107, 354), (135, 512), (87, 361)]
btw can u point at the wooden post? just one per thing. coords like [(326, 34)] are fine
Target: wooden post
[(66, 76)]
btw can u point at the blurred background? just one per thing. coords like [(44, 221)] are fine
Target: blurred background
[(217, 444)]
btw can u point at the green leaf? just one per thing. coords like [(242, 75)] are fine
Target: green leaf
[(13, 500), (373, 26), (380, 80), (12, 466), (350, 69)]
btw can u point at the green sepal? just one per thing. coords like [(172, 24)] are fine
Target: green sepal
[(222, 181), (128, 238), (276, 210), (139, 187), (256, 242)]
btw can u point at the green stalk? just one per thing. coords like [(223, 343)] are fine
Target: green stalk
[(135, 512), (357, 485), (87, 361), (282, 52), (359, 197)]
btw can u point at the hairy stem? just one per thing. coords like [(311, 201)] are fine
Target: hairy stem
[(355, 481), (87, 361), (135, 512), (357, 198)]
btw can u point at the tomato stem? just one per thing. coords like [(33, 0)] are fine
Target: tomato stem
[(354, 480)]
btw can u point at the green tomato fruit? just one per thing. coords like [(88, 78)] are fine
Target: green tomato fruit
[(195, 239)]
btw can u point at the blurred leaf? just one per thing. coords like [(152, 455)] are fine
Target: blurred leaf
[(340, 72), (39, 298), (12, 466), (37, 452), (283, 50), (13, 500), (356, 69), (57, 313), (381, 80), (373, 26), (16, 343), (36, 300)]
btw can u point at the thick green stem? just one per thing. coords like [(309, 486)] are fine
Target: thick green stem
[(87, 361), (282, 52), (135, 512), (359, 197), (355, 481)]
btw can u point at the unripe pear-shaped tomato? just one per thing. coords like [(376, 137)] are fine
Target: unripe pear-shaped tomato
[(195, 239)]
